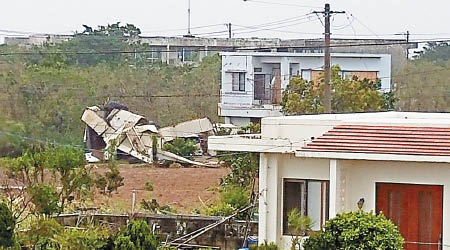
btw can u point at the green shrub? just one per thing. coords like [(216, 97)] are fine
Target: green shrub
[(181, 147), (232, 198), (357, 230), (148, 186), (45, 199), (137, 236), (41, 235), (92, 238), (268, 246), (7, 225)]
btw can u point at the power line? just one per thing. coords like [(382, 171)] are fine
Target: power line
[(273, 28), (365, 26)]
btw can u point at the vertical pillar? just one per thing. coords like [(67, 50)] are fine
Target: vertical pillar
[(262, 209), (273, 213), (334, 188), (285, 69), (168, 54)]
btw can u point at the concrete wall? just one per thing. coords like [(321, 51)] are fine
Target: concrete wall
[(228, 235)]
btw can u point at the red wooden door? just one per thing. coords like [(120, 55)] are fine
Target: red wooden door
[(416, 210)]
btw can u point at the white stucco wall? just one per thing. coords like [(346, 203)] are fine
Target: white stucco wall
[(273, 169), (354, 179)]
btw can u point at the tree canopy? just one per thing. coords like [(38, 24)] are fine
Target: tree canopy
[(348, 95), (435, 52)]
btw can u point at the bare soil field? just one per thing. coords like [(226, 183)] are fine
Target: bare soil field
[(181, 188)]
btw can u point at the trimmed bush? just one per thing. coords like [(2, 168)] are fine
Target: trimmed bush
[(136, 236), (357, 230)]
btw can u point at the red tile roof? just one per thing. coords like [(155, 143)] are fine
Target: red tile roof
[(434, 141)]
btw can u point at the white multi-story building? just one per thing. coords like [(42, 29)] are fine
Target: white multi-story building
[(253, 82)]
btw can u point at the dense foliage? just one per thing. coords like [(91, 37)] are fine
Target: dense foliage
[(181, 147), (41, 171), (7, 225), (136, 236), (435, 52), (348, 95), (422, 84), (43, 103), (357, 230)]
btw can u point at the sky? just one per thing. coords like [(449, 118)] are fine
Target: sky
[(272, 18)]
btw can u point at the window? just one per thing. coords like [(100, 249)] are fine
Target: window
[(310, 197), (238, 81), (369, 75)]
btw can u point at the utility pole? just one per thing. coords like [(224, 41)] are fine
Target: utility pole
[(407, 45), (229, 30), (406, 34), (327, 60)]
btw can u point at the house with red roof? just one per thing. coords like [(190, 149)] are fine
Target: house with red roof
[(397, 163)]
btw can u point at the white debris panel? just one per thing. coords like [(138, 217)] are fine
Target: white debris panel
[(134, 135), (187, 129)]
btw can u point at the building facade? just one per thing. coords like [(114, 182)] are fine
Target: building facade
[(253, 82), (178, 50), (395, 162)]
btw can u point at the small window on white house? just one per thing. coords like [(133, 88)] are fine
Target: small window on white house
[(310, 197), (238, 81)]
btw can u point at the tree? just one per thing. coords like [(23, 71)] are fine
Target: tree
[(7, 226), (357, 230), (45, 199), (37, 173), (43, 103), (93, 46), (422, 85), (111, 180), (348, 95), (435, 52)]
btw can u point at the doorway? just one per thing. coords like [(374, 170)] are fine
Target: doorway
[(416, 210)]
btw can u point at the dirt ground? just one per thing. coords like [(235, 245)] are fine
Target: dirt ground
[(181, 188), (184, 189)]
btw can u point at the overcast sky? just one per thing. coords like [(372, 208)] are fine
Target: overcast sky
[(423, 18)]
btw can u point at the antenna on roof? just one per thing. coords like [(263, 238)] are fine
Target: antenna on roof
[(189, 20)]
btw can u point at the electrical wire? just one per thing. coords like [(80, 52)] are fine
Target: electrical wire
[(274, 28), (365, 26)]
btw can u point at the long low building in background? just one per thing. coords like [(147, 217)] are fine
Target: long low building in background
[(181, 50)]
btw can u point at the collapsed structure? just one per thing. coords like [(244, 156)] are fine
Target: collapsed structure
[(116, 128)]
